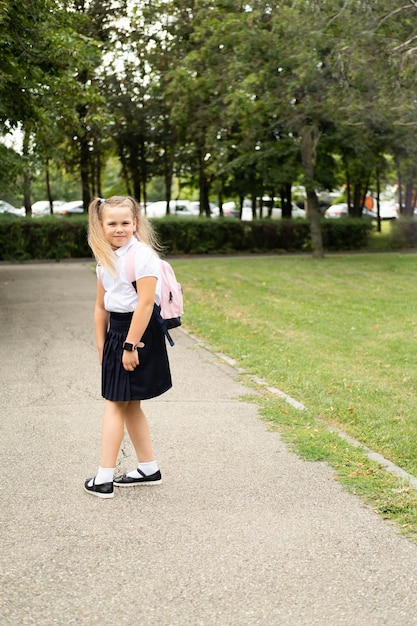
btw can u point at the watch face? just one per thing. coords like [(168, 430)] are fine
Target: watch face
[(128, 346)]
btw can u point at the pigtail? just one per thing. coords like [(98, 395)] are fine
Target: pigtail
[(145, 231), (98, 243)]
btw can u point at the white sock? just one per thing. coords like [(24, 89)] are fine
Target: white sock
[(146, 468), (104, 475)]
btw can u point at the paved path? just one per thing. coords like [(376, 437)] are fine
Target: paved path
[(241, 531)]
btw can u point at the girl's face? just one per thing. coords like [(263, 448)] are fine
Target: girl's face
[(118, 225)]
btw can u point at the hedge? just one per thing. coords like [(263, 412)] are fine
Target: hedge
[(23, 239), (404, 233), (63, 238)]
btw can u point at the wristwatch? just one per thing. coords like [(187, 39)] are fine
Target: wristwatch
[(129, 347)]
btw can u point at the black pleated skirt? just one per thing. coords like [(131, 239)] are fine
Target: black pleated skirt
[(151, 378)]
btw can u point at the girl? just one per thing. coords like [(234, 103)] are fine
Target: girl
[(130, 340)]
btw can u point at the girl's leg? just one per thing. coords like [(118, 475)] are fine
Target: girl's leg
[(139, 432), (111, 438), (112, 432)]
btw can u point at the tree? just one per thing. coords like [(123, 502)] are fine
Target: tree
[(35, 53)]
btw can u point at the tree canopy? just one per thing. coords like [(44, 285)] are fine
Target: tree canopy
[(240, 99)]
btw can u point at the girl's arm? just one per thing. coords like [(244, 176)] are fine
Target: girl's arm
[(101, 320), (146, 297)]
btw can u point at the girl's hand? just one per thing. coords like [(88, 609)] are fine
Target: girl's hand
[(130, 360)]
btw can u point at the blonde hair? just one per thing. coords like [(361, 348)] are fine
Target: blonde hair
[(102, 250)]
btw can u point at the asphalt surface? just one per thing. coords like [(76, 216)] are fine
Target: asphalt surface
[(241, 531)]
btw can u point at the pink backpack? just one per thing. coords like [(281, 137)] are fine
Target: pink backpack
[(171, 293)]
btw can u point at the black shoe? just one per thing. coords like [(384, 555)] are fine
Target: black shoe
[(128, 481), (104, 490)]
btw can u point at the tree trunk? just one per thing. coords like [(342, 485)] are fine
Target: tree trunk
[(220, 202), (348, 190), (84, 169), (48, 187), (400, 191), (26, 173), (204, 187), (97, 178), (310, 137), (314, 216), (285, 193), (168, 187), (261, 207), (241, 201), (254, 207), (271, 203), (408, 207), (378, 199), (357, 199), (137, 175), (125, 171), (169, 154)]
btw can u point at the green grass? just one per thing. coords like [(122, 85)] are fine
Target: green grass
[(381, 241), (340, 336)]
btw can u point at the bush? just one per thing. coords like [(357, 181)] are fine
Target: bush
[(346, 234), (223, 236), (44, 238), (63, 238), (195, 236), (404, 233)]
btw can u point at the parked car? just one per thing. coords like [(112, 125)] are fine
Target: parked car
[(194, 205), (296, 212), (8, 209), (60, 207), (42, 208), (388, 211), (337, 210), (342, 210), (76, 207), (182, 208), (230, 209)]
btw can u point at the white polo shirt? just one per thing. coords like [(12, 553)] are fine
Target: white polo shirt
[(120, 296)]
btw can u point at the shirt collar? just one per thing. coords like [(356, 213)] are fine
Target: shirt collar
[(121, 251)]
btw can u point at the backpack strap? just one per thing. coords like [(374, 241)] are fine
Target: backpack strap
[(157, 311), (130, 274), (130, 266)]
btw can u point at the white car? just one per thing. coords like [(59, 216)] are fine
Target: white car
[(43, 208), (296, 212), (76, 207), (194, 206), (182, 208), (388, 211), (337, 210), (276, 214), (8, 209)]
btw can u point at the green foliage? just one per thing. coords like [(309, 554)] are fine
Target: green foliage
[(35, 49), (11, 165), (404, 233), (23, 239), (201, 236), (346, 234), (222, 236), (60, 238), (233, 99)]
